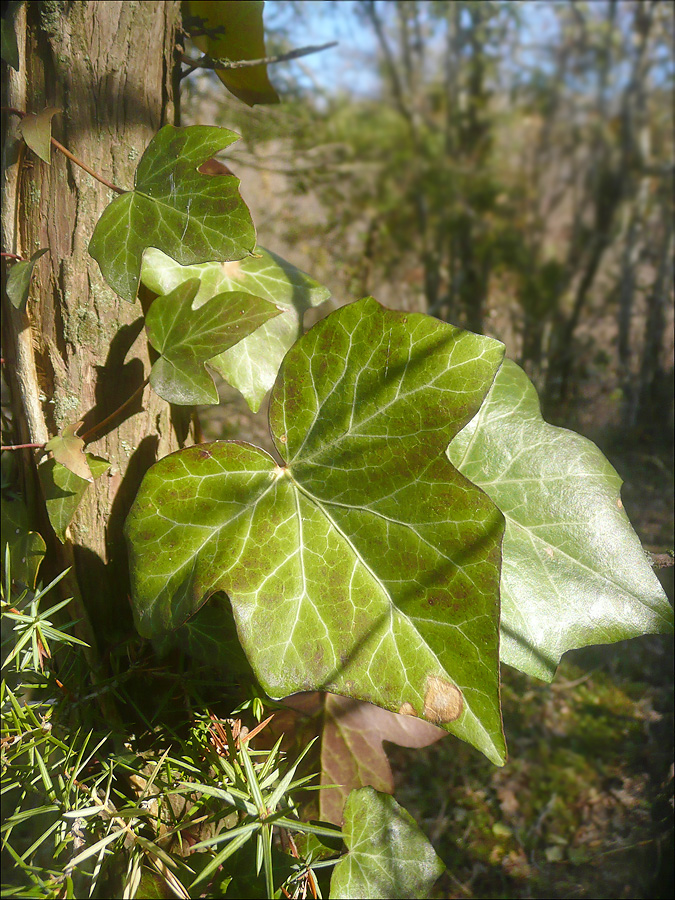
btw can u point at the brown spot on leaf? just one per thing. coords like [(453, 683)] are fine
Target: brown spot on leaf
[(443, 702), (407, 709)]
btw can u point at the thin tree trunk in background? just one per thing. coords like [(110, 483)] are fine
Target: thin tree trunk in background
[(654, 407), (108, 67)]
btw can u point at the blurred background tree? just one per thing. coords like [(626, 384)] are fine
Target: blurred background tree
[(505, 166)]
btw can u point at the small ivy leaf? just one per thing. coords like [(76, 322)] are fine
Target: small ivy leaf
[(367, 565), (68, 449), (63, 490), (36, 131), (186, 338), (19, 277), (573, 570), (388, 855), (27, 548), (9, 49), (193, 218), (352, 755), (237, 33), (252, 365)]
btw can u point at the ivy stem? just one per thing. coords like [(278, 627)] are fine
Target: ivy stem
[(21, 446), (11, 255), (87, 436), (71, 157)]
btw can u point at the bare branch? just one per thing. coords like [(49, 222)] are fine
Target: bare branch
[(208, 62)]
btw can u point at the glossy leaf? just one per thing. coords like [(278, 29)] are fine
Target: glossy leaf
[(187, 338), (251, 365), (367, 565), (194, 218), (27, 548), (236, 33), (63, 490), (352, 754), (36, 130), (19, 277), (388, 854), (68, 449), (573, 571)]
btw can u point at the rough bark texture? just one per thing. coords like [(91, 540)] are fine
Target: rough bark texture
[(108, 66)]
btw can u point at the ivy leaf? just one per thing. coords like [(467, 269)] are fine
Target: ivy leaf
[(367, 566), (252, 365), (68, 449), (352, 754), (388, 854), (194, 218), (26, 547), (19, 278), (63, 490), (187, 338), (9, 48), (36, 131), (573, 570), (237, 33)]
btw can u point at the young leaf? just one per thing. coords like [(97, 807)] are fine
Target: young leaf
[(193, 218), (27, 548), (366, 566), (573, 570), (18, 279), (352, 754), (9, 49), (36, 131), (388, 854), (251, 365), (236, 33), (187, 338), (68, 449), (63, 490)]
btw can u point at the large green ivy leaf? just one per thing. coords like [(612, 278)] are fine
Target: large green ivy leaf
[(251, 365), (573, 570), (367, 565), (192, 217), (235, 33), (388, 854), (186, 338)]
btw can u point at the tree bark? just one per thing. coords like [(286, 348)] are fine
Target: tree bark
[(108, 67)]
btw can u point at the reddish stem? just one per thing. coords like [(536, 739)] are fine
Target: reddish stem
[(66, 152), (21, 446)]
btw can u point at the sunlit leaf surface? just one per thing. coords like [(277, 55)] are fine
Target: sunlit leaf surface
[(186, 338), (236, 32), (366, 565), (194, 218), (251, 365), (388, 854), (573, 571)]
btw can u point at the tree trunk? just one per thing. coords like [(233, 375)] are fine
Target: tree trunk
[(109, 68)]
